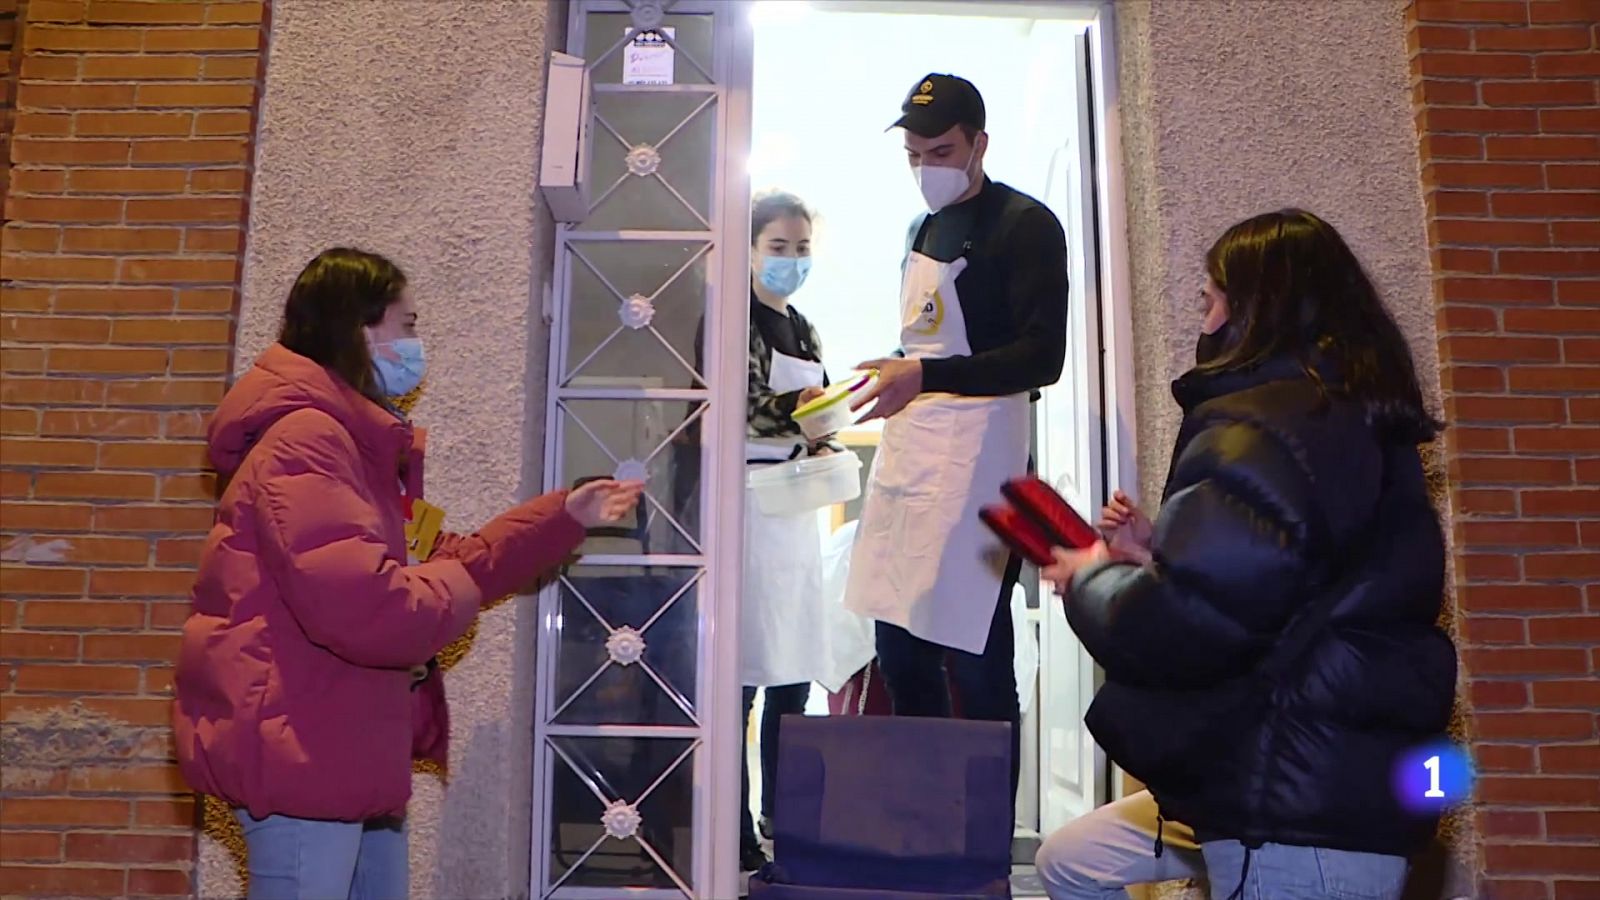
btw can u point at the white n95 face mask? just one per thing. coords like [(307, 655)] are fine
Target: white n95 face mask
[(941, 185)]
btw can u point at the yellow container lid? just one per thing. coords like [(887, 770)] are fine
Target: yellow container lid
[(836, 393)]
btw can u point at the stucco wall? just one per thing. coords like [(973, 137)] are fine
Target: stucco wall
[(1234, 107), (411, 128)]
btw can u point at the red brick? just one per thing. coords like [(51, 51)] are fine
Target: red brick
[(31, 846), (1471, 379), (148, 712), (1443, 64), (1468, 348), (165, 393), (1571, 177), (107, 550), (1567, 65), (145, 12), (1438, 37), (55, 153), (50, 68), (234, 13), (1550, 262), (169, 616), (1512, 889), (229, 240), (220, 150), (95, 485), (57, 454), (82, 614), (1490, 11), (1566, 439), (1458, 203), (183, 270), (43, 123), (187, 209), (99, 423), (1565, 379), (1518, 533), (1543, 148), (50, 881), (170, 331), (200, 362), (131, 647), (206, 299), (179, 551), (190, 519), (174, 813), (1508, 823), (1437, 93), (1583, 409), (217, 181), (233, 68), (55, 329), (1503, 757), (58, 268), (140, 583), (1537, 93), (192, 40), (139, 68), (1578, 291), (1575, 234), (113, 300), (1489, 660), (195, 95), (117, 360), (77, 811), (1514, 791), (189, 487), (1546, 204), (1480, 120), (1482, 440), (1491, 232), (78, 679), (1556, 121), (1498, 694), (134, 124), (75, 96), (128, 848), (46, 516), (1548, 11), (1486, 410), (1567, 629), (1538, 38), (1539, 859), (160, 882), (22, 645), (1481, 631), (1571, 823), (1554, 321), (1484, 174), (123, 240), (1496, 290), (41, 580), (1577, 502)]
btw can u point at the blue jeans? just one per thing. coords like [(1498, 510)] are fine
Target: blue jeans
[(1282, 872), (304, 859)]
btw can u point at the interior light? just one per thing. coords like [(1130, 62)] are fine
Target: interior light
[(778, 12)]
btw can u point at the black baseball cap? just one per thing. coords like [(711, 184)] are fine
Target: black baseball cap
[(938, 103)]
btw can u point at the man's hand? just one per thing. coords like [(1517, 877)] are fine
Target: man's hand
[(1069, 562), (899, 383), (604, 502)]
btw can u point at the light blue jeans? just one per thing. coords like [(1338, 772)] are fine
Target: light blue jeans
[(304, 859), (1282, 872)]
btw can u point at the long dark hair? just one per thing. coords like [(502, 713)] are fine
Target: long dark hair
[(1295, 289), (336, 295)]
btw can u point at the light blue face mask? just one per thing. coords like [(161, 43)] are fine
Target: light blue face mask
[(783, 275), (401, 375)]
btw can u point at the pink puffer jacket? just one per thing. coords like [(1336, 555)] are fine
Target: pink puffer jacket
[(293, 686)]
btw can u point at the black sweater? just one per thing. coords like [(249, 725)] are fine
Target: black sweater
[(1279, 500)]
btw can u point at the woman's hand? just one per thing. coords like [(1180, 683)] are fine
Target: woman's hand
[(810, 394), (604, 502), (1069, 562), (1127, 529)]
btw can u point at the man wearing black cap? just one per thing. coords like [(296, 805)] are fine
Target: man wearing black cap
[(983, 327)]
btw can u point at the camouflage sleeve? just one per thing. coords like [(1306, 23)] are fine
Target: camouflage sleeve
[(769, 414)]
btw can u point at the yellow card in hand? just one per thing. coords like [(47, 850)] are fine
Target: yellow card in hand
[(422, 530)]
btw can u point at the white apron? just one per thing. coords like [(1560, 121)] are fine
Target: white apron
[(783, 616), (923, 559)]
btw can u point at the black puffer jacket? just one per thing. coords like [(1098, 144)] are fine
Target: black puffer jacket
[(1278, 501)]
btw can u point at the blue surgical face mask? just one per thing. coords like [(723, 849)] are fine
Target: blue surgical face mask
[(401, 375), (783, 275)]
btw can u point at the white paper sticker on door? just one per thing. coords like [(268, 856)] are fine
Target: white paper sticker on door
[(648, 57)]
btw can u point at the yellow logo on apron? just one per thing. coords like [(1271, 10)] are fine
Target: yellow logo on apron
[(928, 319), (422, 529)]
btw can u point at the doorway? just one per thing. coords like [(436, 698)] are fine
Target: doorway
[(692, 104)]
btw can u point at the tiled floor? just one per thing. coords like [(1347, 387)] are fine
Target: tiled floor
[(1025, 883)]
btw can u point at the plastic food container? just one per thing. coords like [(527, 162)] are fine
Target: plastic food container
[(831, 413), (806, 485)]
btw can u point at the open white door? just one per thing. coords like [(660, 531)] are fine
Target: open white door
[(1071, 439)]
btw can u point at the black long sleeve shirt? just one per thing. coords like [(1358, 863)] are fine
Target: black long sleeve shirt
[(1013, 293)]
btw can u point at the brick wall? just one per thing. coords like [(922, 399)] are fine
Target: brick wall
[(123, 237), (1509, 128)]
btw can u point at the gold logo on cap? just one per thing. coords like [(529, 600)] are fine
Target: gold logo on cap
[(924, 94)]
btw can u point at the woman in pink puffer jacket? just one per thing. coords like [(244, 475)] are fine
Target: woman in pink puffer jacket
[(305, 684)]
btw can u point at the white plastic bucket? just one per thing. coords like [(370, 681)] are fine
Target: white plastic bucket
[(806, 485)]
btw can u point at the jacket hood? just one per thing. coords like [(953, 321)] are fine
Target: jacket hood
[(282, 382)]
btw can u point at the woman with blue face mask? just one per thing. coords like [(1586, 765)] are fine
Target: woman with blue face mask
[(305, 683), (783, 608)]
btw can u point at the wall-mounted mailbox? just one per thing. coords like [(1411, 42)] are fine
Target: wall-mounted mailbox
[(564, 162)]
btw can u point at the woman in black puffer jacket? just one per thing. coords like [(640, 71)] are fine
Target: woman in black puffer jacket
[(1271, 650)]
